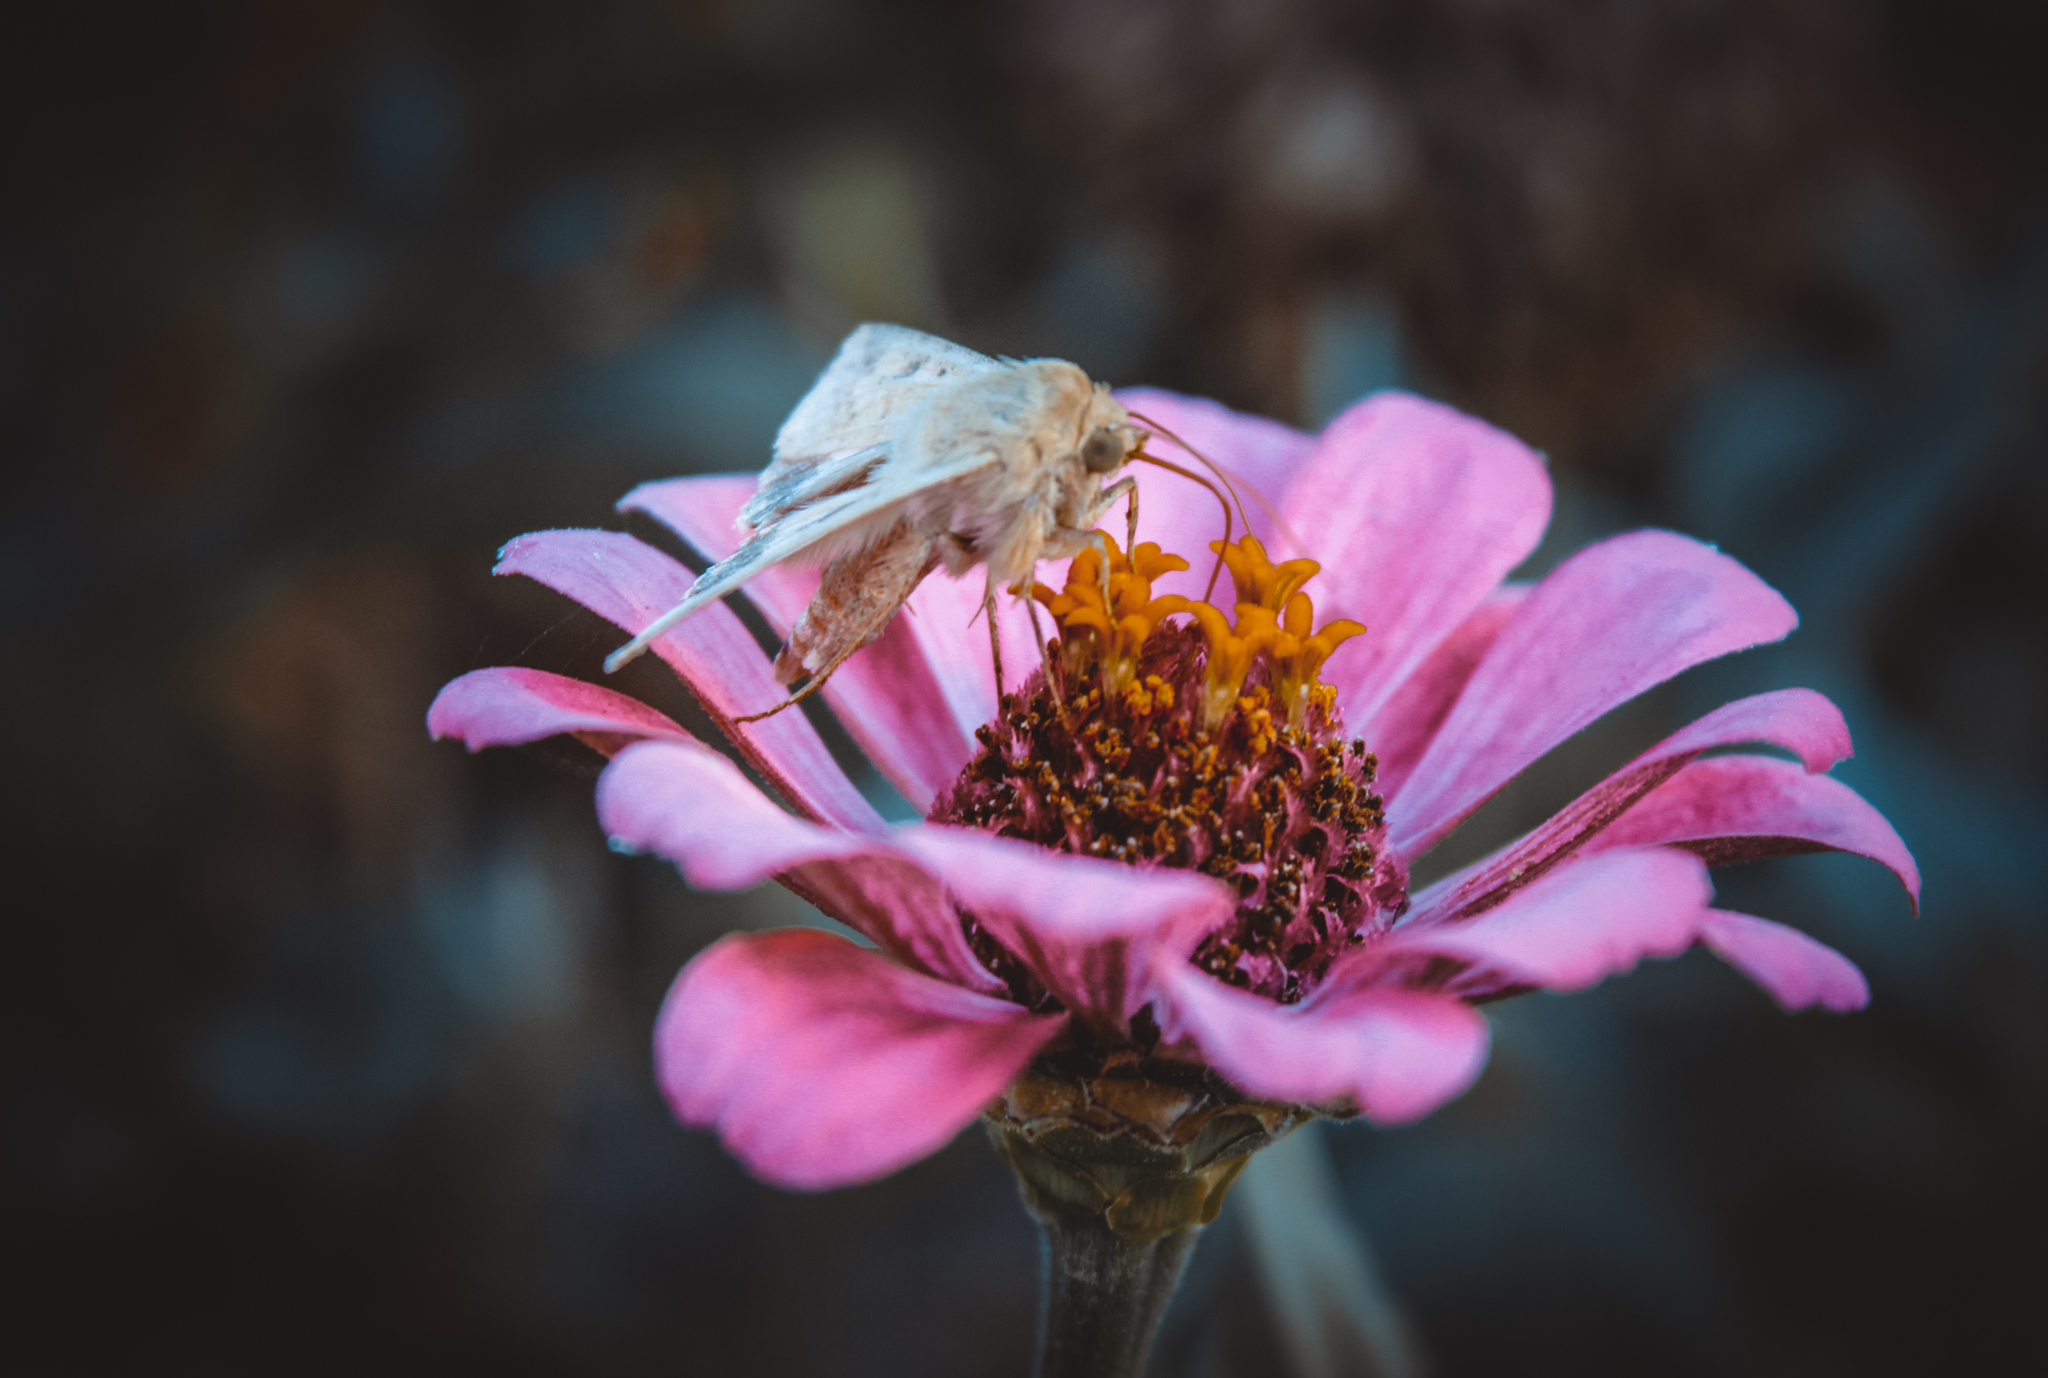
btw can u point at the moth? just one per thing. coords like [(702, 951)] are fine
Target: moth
[(909, 453)]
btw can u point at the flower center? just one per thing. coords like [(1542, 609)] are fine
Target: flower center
[(1208, 744)]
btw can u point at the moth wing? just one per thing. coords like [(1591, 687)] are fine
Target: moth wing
[(795, 531), (879, 372), (798, 530), (787, 486)]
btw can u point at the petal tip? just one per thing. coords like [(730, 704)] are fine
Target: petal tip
[(1797, 971)]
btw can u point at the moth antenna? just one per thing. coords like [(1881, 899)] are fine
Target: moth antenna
[(1265, 503), (1192, 476), (1212, 466)]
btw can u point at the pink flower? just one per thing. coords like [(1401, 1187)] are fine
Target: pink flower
[(822, 1062)]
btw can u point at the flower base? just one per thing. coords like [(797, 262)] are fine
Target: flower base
[(1122, 1162)]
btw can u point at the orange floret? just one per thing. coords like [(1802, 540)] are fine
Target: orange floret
[(1114, 630)]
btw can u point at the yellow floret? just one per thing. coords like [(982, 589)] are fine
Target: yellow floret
[(1107, 620)]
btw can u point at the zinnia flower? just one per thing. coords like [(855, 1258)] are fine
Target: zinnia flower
[(1189, 853)]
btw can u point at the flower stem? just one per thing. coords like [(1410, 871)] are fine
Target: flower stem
[(1102, 1295), (1122, 1160)]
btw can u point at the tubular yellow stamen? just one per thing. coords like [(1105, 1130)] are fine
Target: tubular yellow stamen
[(1259, 581), (1113, 631), (1298, 656), (1231, 653), (1274, 619), (1298, 615)]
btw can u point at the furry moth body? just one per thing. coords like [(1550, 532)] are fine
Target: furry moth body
[(910, 453)]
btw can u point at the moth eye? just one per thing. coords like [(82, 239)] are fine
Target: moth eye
[(1102, 451)]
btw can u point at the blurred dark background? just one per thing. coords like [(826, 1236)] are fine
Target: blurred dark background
[(326, 1047)]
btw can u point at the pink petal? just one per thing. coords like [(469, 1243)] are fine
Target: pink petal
[(1739, 808), (1089, 929), (691, 805), (1797, 719), (1612, 621), (1398, 1053), (1401, 731), (1802, 721), (1796, 970), (1416, 511), (630, 584), (686, 802), (1583, 923), (912, 699), (822, 1064), (508, 706), (1260, 458)]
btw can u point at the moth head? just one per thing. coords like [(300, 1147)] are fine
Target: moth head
[(1106, 448)]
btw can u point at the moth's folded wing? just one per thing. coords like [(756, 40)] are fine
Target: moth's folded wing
[(786, 537), (880, 371), (904, 473), (764, 549), (788, 485), (795, 531)]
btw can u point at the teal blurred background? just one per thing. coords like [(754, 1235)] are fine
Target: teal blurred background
[(326, 1047)]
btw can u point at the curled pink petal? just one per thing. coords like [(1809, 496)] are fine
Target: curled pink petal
[(1802, 721), (630, 584), (691, 805), (1089, 929), (1398, 1053), (1739, 808), (1572, 929), (1797, 719), (822, 1064), (1402, 728), (686, 802), (1796, 971), (1416, 511), (507, 705), (1617, 618), (913, 698)]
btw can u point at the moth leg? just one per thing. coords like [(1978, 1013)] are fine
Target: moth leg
[(995, 641), (1044, 653), (1125, 486), (1066, 541), (817, 683), (818, 677)]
